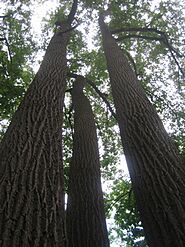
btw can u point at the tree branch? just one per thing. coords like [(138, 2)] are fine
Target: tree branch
[(9, 52), (72, 13), (177, 63), (103, 97), (98, 92), (162, 38), (171, 49), (120, 197), (69, 30), (137, 29), (68, 116), (8, 46), (3, 16), (138, 37), (5, 39)]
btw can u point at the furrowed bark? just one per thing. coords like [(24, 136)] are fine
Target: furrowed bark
[(31, 171), (86, 226), (157, 171)]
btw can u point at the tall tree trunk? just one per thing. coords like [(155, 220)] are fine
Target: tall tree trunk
[(31, 171), (86, 226), (157, 171)]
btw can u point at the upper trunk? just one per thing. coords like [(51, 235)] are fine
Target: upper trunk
[(31, 172), (156, 169), (86, 225)]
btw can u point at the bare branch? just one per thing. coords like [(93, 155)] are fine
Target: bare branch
[(139, 37), (5, 39), (162, 38), (70, 29), (9, 52), (3, 16), (8, 46), (68, 116), (137, 29), (72, 13), (102, 95), (177, 63)]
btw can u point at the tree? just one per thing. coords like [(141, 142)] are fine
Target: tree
[(31, 171), (151, 35), (17, 48), (156, 168), (127, 223), (85, 218)]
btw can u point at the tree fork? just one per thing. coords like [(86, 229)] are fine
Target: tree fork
[(102, 95)]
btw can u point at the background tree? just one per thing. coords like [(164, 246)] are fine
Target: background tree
[(122, 201), (17, 54)]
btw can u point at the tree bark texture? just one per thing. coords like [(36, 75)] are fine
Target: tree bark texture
[(31, 172), (86, 226), (157, 171)]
